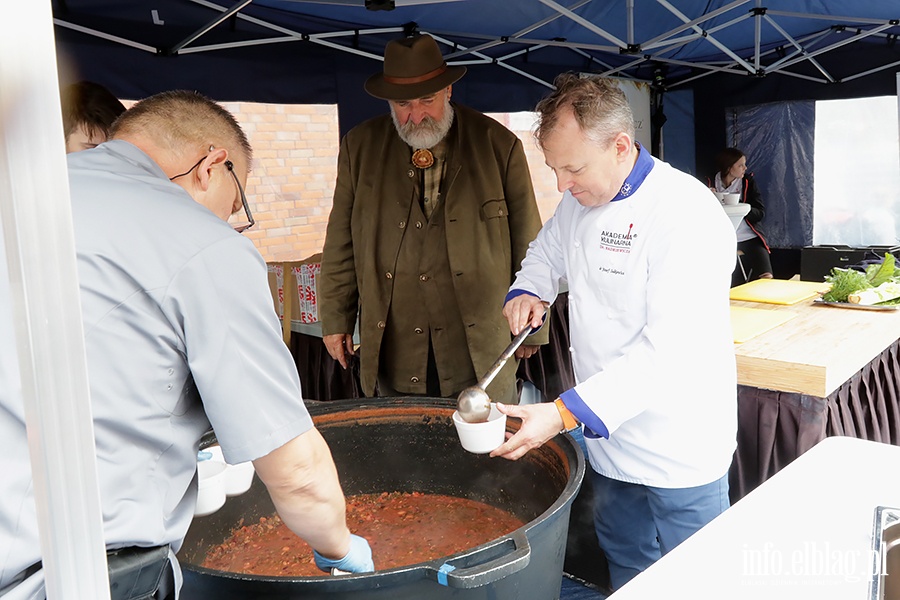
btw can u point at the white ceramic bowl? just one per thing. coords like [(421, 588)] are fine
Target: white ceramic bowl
[(731, 199), (210, 487), (237, 477), (481, 438), (216, 452)]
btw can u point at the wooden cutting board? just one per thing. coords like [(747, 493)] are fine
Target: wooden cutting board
[(747, 323), (778, 291)]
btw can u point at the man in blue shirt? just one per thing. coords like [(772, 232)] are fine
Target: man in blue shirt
[(180, 334)]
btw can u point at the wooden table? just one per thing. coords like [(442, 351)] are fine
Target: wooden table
[(826, 372), (816, 351)]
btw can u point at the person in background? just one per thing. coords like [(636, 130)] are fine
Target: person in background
[(88, 111), (433, 212), (180, 334), (753, 251), (656, 392)]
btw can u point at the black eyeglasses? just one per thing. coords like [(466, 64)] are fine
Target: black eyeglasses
[(230, 166), (196, 164), (250, 222)]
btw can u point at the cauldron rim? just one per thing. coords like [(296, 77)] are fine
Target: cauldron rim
[(413, 569), (564, 446)]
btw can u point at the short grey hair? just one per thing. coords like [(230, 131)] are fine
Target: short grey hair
[(599, 105), (181, 120)]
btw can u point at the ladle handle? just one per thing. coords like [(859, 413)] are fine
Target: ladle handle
[(498, 364)]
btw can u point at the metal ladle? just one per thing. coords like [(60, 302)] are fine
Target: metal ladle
[(474, 404)]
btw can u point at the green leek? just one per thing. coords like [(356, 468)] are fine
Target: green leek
[(882, 293)]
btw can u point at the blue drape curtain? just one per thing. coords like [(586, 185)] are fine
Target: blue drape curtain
[(679, 146), (778, 140)]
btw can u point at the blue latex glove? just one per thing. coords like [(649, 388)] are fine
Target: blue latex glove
[(358, 559)]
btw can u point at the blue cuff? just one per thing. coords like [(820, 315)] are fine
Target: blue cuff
[(584, 414), (513, 293)]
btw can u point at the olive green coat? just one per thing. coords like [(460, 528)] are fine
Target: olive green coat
[(490, 218)]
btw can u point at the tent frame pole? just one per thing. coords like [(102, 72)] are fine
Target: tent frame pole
[(584, 22), (517, 35), (209, 26), (800, 48), (850, 40)]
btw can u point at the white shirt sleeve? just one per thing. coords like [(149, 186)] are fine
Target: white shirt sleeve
[(544, 264)]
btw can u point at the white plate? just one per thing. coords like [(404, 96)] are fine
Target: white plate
[(857, 306)]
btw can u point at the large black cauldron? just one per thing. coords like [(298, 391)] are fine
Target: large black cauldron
[(406, 445)]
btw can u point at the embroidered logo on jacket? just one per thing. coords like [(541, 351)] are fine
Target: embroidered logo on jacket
[(617, 241)]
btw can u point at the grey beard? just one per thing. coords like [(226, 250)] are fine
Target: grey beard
[(428, 133)]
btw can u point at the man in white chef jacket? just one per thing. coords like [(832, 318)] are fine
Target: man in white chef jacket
[(180, 333), (647, 253)]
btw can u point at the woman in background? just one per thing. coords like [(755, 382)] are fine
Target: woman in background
[(753, 251)]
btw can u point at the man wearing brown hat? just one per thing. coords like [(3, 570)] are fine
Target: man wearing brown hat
[(433, 212)]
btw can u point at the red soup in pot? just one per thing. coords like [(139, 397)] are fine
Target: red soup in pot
[(402, 528)]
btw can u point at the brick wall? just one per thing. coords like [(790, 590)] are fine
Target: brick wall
[(292, 180), (541, 176), (291, 183)]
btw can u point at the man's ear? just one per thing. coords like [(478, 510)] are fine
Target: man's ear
[(624, 144), (216, 157)]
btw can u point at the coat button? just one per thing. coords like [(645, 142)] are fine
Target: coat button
[(401, 224), (418, 224), (380, 324), (410, 173), (414, 379), (423, 277), (389, 275), (418, 330)]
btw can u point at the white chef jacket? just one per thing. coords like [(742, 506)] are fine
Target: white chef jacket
[(649, 320), (176, 307)]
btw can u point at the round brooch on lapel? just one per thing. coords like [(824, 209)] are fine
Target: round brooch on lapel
[(422, 158)]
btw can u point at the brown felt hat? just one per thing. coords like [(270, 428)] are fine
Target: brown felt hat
[(413, 68)]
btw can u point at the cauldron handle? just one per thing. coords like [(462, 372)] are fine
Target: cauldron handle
[(466, 571)]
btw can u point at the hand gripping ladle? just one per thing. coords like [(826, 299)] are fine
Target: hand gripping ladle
[(474, 404)]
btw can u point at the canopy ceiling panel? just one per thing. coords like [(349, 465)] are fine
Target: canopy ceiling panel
[(300, 51)]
